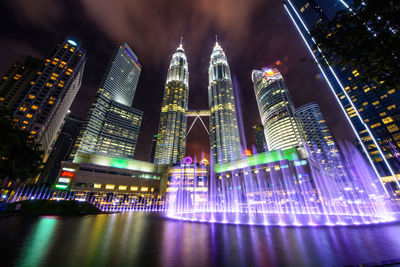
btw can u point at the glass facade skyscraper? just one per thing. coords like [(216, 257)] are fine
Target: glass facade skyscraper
[(373, 113), (112, 126), (261, 143), (171, 140), (318, 136), (45, 103), (225, 140), (281, 126)]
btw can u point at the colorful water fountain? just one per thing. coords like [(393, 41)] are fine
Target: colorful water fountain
[(281, 188)]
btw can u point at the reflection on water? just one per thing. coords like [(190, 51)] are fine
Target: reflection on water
[(37, 243), (138, 239)]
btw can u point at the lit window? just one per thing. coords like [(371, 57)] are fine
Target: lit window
[(110, 186), (387, 120), (96, 185), (144, 189), (31, 96), (393, 128), (122, 187), (29, 116), (34, 107), (25, 122), (22, 108), (134, 188)]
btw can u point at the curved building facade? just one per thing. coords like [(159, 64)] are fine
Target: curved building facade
[(281, 126), (171, 142), (225, 141)]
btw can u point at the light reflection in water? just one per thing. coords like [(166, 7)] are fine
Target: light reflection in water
[(38, 242), (133, 239)]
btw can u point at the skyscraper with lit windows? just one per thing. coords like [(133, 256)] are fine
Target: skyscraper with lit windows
[(16, 81), (112, 126), (261, 144), (224, 132), (319, 138), (51, 91), (171, 140), (373, 113), (281, 126)]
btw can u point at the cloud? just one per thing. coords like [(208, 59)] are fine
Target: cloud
[(39, 13), (152, 27)]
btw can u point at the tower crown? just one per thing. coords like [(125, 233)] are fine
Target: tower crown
[(178, 67)]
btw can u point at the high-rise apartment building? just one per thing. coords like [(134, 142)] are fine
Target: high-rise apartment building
[(281, 126), (15, 82), (51, 91), (318, 136), (261, 143), (225, 141), (112, 126), (171, 140), (373, 113)]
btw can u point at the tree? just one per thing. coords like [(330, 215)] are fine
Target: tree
[(366, 38), (20, 156)]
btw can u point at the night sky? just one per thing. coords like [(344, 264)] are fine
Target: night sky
[(253, 34)]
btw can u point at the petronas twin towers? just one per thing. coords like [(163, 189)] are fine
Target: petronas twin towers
[(224, 133)]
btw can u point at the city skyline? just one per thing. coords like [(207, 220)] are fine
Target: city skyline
[(243, 57)]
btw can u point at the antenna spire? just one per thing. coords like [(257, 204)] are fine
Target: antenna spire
[(216, 38)]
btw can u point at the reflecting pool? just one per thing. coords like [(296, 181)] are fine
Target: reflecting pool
[(144, 239)]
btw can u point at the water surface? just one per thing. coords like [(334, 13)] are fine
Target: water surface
[(140, 239)]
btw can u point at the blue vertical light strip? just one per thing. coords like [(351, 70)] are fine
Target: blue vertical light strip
[(338, 100)]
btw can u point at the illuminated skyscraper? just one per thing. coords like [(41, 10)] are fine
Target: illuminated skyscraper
[(16, 81), (112, 126), (261, 144), (44, 105), (319, 138), (225, 140), (171, 141), (373, 113), (281, 126)]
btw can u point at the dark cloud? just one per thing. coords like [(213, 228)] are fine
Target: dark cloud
[(253, 33)]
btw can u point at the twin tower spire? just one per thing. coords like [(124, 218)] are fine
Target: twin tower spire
[(224, 133)]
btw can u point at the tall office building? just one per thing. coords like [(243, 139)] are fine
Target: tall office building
[(261, 143), (171, 141), (373, 113), (153, 148), (46, 101), (15, 82), (319, 138), (112, 126), (61, 148), (281, 126), (225, 140)]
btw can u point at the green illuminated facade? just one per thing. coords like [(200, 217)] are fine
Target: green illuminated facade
[(258, 159), (171, 140)]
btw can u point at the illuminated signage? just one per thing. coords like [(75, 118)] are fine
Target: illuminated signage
[(64, 180), (61, 186), (67, 174), (68, 169)]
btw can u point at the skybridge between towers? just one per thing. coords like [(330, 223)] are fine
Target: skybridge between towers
[(198, 114)]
